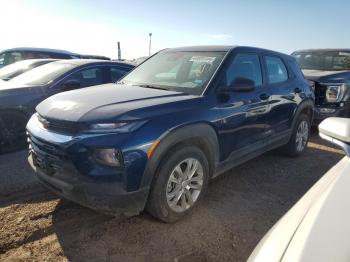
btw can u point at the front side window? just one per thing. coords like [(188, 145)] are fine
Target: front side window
[(180, 71), (245, 66), (89, 77), (323, 60), (276, 70)]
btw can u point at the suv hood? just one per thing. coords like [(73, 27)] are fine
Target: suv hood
[(110, 102), (321, 75)]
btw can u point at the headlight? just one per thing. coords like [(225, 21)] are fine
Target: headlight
[(336, 93), (120, 127)]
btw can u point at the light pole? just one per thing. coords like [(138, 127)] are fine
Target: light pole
[(150, 44)]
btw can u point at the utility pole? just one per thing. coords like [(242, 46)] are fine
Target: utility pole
[(119, 52), (150, 44)]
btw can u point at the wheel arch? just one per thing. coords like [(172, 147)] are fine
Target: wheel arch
[(202, 135), (306, 107)]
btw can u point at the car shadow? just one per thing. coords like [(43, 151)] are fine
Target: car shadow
[(237, 210), (18, 183)]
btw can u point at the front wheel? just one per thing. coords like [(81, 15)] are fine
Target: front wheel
[(299, 138), (179, 183)]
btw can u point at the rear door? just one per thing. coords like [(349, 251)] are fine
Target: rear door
[(284, 90), (243, 113)]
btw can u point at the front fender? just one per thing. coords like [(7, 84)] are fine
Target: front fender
[(203, 131)]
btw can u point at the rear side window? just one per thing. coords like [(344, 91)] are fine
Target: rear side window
[(276, 69), (33, 55), (244, 66), (116, 73)]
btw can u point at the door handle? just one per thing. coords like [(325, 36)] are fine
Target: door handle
[(297, 90), (264, 96)]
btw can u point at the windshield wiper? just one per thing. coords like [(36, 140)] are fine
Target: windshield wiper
[(153, 87)]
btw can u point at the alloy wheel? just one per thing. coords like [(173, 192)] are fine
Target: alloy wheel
[(184, 185), (302, 135)]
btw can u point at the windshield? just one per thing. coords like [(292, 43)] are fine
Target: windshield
[(187, 72), (9, 71), (42, 75), (323, 60)]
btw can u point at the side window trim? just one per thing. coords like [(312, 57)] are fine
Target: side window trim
[(267, 73), (263, 70)]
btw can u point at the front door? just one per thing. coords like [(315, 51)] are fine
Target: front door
[(243, 123)]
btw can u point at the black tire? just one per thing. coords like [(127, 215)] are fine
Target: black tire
[(291, 149), (12, 131), (157, 204)]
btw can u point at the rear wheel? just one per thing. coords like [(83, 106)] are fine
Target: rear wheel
[(179, 183), (299, 138), (12, 131)]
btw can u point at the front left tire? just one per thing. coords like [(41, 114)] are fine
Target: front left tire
[(179, 183)]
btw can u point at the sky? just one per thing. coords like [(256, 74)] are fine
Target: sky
[(95, 27)]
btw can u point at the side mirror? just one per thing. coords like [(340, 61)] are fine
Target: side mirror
[(71, 84), (240, 84), (337, 131)]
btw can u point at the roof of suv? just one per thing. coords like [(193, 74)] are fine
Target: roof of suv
[(222, 48), (35, 49), (55, 51), (324, 50)]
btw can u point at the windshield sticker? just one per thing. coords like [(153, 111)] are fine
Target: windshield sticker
[(202, 59), (344, 53), (198, 81)]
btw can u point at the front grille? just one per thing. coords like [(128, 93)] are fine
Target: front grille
[(51, 159), (45, 149), (320, 93), (60, 126)]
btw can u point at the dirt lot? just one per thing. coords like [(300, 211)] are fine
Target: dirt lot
[(238, 209)]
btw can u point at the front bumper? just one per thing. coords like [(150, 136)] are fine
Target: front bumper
[(320, 115), (109, 198), (63, 164)]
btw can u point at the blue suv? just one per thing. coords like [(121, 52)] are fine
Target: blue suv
[(154, 140)]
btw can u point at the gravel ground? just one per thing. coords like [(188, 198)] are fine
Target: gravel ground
[(238, 209)]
